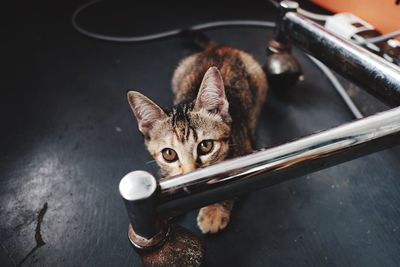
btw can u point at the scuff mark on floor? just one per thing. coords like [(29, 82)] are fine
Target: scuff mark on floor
[(38, 234)]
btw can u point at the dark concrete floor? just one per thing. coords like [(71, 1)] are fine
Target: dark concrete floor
[(68, 136)]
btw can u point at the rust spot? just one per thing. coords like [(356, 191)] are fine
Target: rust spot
[(181, 248)]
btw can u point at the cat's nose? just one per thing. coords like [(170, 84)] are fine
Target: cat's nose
[(188, 167)]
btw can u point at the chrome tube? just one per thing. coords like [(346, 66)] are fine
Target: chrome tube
[(373, 73), (274, 165), (138, 190)]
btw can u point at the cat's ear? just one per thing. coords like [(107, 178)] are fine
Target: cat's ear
[(145, 110), (211, 94)]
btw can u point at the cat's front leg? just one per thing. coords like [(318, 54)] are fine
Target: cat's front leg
[(215, 217)]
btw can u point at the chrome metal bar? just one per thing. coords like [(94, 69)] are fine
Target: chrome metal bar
[(138, 190), (271, 166), (373, 73)]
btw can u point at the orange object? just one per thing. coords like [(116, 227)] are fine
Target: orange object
[(384, 15)]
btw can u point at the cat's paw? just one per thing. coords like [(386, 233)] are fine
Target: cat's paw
[(213, 218)]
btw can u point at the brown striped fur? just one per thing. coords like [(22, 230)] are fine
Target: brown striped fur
[(231, 124), (245, 88)]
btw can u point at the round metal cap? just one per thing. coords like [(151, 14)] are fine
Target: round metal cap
[(137, 185), (289, 5)]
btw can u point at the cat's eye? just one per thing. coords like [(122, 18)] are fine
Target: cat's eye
[(205, 147), (169, 154)]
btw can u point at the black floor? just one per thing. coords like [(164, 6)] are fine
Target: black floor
[(68, 137)]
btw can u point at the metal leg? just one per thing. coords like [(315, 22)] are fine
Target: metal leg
[(282, 68), (157, 242)]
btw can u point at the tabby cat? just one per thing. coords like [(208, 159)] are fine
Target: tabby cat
[(218, 96)]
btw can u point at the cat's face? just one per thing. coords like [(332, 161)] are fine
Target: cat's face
[(190, 136), (187, 139)]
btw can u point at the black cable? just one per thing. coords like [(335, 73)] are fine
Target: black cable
[(216, 24)]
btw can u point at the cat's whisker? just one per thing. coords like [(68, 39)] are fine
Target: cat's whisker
[(151, 161)]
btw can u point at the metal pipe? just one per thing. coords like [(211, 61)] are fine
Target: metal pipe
[(271, 166), (284, 8), (378, 76), (139, 191), (282, 68)]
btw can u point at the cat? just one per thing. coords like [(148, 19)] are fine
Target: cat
[(219, 93)]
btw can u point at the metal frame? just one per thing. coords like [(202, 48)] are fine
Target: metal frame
[(149, 201)]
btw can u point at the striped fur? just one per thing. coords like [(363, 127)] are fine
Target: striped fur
[(214, 105)]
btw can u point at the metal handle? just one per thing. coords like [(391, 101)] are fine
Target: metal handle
[(373, 73), (274, 165)]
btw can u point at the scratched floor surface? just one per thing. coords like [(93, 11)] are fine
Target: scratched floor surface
[(68, 136)]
